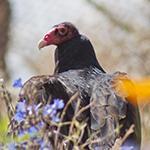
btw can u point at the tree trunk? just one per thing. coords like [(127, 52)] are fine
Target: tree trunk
[(4, 29)]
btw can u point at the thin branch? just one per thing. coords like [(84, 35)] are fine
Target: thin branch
[(63, 114), (120, 140), (8, 99)]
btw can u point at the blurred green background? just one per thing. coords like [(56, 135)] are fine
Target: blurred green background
[(119, 31)]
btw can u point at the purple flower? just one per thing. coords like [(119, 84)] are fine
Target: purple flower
[(17, 83)]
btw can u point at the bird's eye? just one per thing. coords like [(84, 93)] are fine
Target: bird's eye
[(62, 31)]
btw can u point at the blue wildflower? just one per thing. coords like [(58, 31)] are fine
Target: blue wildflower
[(30, 109), (20, 114), (32, 131), (59, 104), (33, 109), (21, 106), (12, 146), (55, 119), (24, 145), (40, 124), (17, 83), (47, 110), (21, 133), (127, 148), (51, 109), (19, 117), (96, 148), (41, 142), (129, 145), (53, 113)]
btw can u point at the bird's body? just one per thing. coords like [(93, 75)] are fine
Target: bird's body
[(77, 70), (110, 111)]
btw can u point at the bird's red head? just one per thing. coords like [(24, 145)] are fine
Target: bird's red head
[(59, 34)]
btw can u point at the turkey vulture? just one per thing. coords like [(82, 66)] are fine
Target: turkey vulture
[(77, 70)]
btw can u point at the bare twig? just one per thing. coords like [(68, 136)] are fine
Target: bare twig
[(63, 114), (120, 140), (8, 99)]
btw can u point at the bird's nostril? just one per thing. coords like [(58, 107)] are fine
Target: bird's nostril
[(46, 37)]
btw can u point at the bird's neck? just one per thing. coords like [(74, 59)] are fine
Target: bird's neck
[(77, 53)]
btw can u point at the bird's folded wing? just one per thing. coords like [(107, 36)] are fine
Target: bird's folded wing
[(106, 111), (42, 87)]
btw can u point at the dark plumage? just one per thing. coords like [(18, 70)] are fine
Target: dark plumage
[(77, 70), (78, 53)]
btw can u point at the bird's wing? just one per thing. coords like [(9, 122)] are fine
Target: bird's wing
[(107, 110), (43, 87)]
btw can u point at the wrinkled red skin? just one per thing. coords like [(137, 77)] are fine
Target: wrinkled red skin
[(53, 37), (50, 37)]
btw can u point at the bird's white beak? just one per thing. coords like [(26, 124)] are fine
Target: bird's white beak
[(42, 43)]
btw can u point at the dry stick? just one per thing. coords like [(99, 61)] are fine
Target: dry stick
[(75, 116), (90, 141), (81, 134), (78, 113), (99, 140), (73, 123), (120, 141), (116, 144), (93, 142), (63, 114), (8, 100), (83, 109), (129, 131), (62, 124), (73, 119)]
